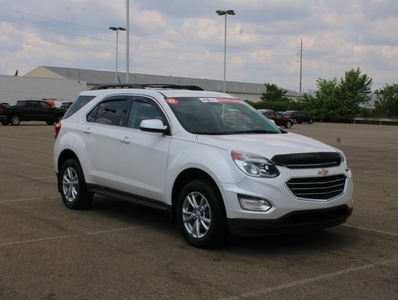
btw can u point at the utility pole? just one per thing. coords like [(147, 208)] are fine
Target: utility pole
[(127, 40), (300, 59)]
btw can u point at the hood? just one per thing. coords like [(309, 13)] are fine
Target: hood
[(266, 145)]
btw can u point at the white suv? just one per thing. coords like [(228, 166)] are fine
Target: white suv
[(211, 160)]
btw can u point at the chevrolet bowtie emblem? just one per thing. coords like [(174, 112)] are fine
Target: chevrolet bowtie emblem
[(323, 172)]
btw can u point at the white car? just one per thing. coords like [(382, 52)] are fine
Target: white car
[(211, 160)]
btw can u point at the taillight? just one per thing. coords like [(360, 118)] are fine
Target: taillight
[(57, 128)]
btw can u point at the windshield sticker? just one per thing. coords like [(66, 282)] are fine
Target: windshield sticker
[(171, 101), (208, 100), (230, 100)]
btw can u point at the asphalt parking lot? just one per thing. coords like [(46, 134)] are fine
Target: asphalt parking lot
[(117, 250)]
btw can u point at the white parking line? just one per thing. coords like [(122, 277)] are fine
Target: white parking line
[(68, 236), (27, 178), (261, 293), (24, 163), (371, 230), (29, 199)]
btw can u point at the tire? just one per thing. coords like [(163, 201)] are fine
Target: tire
[(311, 121), (289, 125), (4, 122), (15, 120), (294, 121), (73, 186), (201, 214)]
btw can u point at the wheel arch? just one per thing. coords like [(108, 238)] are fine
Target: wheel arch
[(182, 179), (63, 157)]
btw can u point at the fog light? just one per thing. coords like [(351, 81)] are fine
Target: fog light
[(254, 204)]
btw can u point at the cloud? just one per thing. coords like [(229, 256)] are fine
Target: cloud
[(186, 38)]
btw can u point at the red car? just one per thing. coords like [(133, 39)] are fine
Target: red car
[(277, 118)]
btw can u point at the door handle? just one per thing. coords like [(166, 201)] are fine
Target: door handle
[(125, 140)]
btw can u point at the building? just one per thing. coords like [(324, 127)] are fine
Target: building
[(64, 84), (14, 88)]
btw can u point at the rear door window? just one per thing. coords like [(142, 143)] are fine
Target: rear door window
[(111, 111)]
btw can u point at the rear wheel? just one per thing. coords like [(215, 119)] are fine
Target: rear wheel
[(201, 214), (15, 120), (311, 121), (289, 124), (73, 186)]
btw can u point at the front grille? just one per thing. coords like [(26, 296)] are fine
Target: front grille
[(321, 188)]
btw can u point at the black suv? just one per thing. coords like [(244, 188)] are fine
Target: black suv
[(298, 116)]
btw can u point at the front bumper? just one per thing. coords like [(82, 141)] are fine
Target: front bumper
[(293, 222)]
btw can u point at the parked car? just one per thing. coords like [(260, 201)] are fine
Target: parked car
[(277, 117), (30, 110), (66, 105), (298, 116), (208, 158)]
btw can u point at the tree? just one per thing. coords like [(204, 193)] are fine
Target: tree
[(387, 101), (273, 93), (355, 90), (339, 99)]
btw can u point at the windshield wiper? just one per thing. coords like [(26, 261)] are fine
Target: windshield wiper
[(259, 131)]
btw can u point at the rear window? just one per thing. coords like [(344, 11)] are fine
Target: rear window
[(78, 104)]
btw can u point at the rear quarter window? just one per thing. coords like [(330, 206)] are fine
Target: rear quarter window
[(78, 104)]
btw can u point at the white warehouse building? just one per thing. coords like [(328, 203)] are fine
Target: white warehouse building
[(64, 84)]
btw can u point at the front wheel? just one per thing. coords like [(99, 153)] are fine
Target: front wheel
[(73, 186), (201, 214)]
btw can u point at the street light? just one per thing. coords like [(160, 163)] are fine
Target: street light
[(117, 29), (225, 13)]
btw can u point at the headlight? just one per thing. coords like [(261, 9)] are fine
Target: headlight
[(254, 165), (343, 159)]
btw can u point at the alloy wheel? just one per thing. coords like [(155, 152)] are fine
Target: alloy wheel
[(196, 215)]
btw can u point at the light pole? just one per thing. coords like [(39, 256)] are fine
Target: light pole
[(127, 40), (117, 29), (225, 13)]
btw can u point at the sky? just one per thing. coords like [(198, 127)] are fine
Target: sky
[(268, 41)]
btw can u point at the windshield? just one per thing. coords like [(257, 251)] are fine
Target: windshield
[(219, 116)]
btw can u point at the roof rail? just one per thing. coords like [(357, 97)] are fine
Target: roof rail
[(117, 86), (146, 85), (172, 86)]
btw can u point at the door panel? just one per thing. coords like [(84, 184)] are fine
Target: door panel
[(142, 156), (102, 132)]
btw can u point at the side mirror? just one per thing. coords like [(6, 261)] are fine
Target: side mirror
[(153, 125)]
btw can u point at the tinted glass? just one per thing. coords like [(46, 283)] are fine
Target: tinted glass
[(110, 112), (78, 104), (142, 110)]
